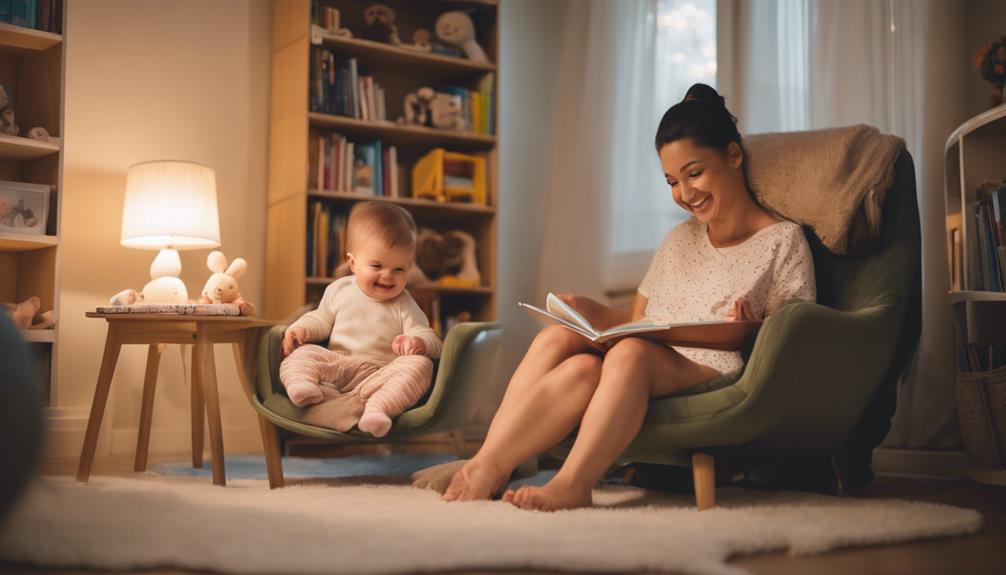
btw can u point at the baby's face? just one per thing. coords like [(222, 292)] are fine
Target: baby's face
[(381, 272)]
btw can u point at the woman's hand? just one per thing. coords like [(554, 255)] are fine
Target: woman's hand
[(293, 338), (408, 345), (741, 311), (599, 315)]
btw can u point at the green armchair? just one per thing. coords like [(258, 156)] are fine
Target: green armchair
[(819, 386), (469, 355)]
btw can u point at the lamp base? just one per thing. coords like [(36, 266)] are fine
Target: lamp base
[(165, 286)]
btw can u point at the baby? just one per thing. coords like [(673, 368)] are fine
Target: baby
[(377, 362)]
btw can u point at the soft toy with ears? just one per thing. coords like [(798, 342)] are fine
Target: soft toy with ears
[(222, 287), (457, 29)]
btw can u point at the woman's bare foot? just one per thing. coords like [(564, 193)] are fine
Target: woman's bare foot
[(476, 480), (553, 496)]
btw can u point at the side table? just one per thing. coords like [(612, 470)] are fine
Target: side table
[(200, 331)]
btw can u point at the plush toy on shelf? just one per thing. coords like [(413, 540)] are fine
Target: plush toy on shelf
[(7, 125), (448, 258), (380, 25), (29, 315), (420, 41), (222, 287), (457, 29), (417, 107)]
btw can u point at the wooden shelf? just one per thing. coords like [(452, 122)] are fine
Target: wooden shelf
[(965, 296), (400, 135), (21, 38), (388, 57), (294, 130), (18, 149), (23, 243), (419, 206), (480, 290), (39, 335)]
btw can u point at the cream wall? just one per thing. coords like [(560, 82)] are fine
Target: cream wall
[(148, 79)]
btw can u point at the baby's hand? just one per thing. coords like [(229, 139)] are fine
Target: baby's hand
[(408, 345), (741, 311), (293, 338)]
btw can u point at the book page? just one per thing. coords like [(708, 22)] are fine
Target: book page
[(553, 318), (560, 308)]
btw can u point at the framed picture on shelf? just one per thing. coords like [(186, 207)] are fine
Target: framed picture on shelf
[(24, 207)]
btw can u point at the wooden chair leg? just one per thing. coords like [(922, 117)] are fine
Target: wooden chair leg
[(198, 409), (147, 407), (704, 475), (108, 360), (273, 458), (208, 379)]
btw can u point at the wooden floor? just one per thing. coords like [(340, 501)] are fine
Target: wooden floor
[(982, 553)]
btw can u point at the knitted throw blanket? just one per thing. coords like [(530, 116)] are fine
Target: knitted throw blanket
[(832, 180)]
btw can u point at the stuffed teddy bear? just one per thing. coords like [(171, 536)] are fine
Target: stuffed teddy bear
[(457, 29), (417, 106), (448, 258), (380, 25), (222, 287)]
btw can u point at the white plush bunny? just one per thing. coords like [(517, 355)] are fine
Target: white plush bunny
[(222, 287)]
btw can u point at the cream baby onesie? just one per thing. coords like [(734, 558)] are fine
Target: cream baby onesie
[(691, 280), (361, 378)]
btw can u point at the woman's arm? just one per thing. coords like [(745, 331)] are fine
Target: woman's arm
[(638, 309)]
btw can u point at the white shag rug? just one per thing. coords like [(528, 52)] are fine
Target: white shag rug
[(345, 526)]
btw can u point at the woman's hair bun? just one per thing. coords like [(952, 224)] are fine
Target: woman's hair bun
[(704, 93)]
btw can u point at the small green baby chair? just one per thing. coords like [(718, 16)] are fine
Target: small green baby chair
[(469, 356)]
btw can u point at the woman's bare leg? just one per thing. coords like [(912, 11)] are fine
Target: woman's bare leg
[(633, 371), (543, 403)]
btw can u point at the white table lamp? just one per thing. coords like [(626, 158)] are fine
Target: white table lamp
[(169, 206)]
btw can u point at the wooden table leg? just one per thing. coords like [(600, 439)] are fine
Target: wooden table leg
[(270, 437), (147, 407), (208, 377), (198, 409), (108, 360)]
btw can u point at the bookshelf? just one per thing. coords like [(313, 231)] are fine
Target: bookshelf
[(975, 199), (298, 121), (32, 71)]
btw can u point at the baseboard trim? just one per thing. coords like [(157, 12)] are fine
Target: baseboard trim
[(919, 463), (65, 428)]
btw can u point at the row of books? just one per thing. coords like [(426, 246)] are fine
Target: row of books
[(45, 15), (476, 105), (340, 88), (989, 263), (339, 165), (326, 239)]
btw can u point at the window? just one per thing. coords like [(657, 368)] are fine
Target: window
[(672, 47)]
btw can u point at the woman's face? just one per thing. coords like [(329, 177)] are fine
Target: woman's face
[(703, 181)]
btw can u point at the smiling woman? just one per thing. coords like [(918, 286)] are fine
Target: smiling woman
[(731, 260)]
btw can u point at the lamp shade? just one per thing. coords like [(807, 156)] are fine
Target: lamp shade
[(170, 204)]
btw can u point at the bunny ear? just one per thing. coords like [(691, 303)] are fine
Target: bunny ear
[(216, 261), (238, 267)]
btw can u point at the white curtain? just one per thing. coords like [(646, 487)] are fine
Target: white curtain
[(894, 64)]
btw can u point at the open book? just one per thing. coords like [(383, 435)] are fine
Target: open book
[(723, 335)]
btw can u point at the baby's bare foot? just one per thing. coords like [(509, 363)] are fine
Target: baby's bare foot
[(552, 497), (476, 480)]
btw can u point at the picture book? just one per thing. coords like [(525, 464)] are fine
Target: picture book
[(722, 335)]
